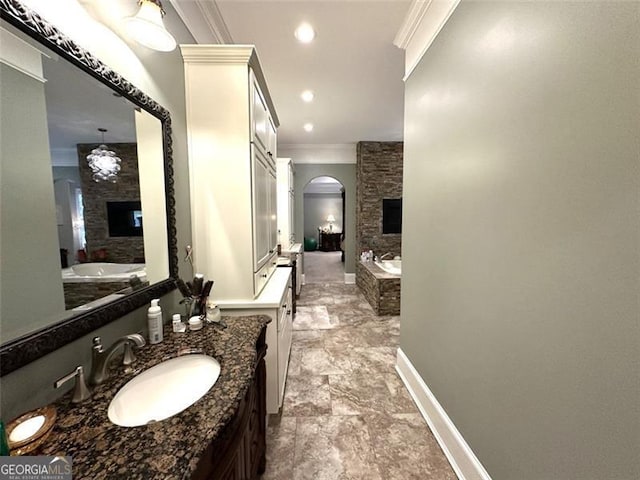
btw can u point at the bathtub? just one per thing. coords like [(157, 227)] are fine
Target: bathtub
[(103, 272), (391, 266)]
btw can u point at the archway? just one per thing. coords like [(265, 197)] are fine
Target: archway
[(324, 227)]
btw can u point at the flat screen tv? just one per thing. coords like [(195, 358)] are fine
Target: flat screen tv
[(392, 215), (125, 219)]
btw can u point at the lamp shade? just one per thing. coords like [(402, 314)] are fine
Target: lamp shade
[(147, 27), (331, 218)]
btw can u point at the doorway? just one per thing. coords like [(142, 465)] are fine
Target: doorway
[(324, 209)]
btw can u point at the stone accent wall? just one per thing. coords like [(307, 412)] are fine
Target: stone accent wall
[(95, 196), (378, 176), (381, 291), (76, 294)]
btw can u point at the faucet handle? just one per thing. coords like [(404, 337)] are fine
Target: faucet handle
[(129, 357), (81, 391), (97, 344)]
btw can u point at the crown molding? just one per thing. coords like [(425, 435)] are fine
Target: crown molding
[(325, 153), (231, 55), (220, 54), (421, 26), (319, 146), (204, 21), (412, 20)]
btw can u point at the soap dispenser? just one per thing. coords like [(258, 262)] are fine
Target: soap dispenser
[(154, 320)]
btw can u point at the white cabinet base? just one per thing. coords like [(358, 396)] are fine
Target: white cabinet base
[(274, 302)]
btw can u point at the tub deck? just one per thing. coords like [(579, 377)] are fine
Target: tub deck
[(381, 289)]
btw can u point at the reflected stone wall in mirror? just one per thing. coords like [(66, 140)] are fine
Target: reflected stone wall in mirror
[(50, 115)]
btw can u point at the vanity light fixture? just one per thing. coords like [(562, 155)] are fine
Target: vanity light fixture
[(307, 96), (308, 127), (305, 33), (147, 27), (104, 163)]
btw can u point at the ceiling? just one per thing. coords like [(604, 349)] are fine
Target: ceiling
[(352, 65)]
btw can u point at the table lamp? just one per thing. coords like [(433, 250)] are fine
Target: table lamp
[(331, 219)]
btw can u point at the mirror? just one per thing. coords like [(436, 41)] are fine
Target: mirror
[(78, 248)]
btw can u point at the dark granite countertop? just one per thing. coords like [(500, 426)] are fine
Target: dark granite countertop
[(170, 449)]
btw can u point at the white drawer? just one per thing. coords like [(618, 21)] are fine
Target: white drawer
[(260, 279)]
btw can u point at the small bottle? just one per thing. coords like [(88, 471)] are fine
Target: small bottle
[(371, 255), (178, 326), (213, 312), (154, 322)]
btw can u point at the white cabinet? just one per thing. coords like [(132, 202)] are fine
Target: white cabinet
[(297, 251), (261, 212), (285, 174), (231, 132), (259, 116), (275, 301), (285, 333)]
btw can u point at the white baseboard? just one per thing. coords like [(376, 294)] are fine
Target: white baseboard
[(463, 461), (349, 278)]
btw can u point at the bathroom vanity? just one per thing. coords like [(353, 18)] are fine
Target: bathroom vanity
[(276, 302), (220, 436)]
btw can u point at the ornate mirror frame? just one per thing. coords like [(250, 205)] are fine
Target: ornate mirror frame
[(23, 350)]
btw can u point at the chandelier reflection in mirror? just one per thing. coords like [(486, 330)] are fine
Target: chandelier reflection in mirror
[(104, 163)]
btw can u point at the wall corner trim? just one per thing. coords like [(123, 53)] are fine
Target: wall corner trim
[(349, 278), (462, 459), (420, 27)]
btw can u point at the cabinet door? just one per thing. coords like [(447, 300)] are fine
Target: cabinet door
[(292, 234), (259, 120), (284, 343), (271, 133), (273, 210), (261, 213)]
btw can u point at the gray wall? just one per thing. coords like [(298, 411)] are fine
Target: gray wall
[(317, 206), (345, 174), (70, 173), (521, 237), (31, 386), (29, 263)]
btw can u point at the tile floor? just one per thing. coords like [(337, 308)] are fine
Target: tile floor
[(346, 413)]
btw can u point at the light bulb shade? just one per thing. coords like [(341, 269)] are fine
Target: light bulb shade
[(104, 164), (147, 28), (331, 218)]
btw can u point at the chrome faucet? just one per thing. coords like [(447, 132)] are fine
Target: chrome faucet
[(388, 253), (100, 358)]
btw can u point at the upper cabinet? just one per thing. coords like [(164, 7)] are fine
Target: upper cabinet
[(231, 130), (285, 176)]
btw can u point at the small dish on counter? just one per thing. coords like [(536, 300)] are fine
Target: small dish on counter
[(30, 430)]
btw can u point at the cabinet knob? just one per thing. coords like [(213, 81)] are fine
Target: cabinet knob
[(264, 275)]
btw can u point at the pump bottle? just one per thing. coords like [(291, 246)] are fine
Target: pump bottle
[(154, 321)]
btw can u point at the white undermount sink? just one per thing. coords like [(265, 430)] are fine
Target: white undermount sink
[(164, 390)]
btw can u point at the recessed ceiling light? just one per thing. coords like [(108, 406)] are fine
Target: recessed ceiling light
[(307, 96), (305, 33), (308, 127)]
